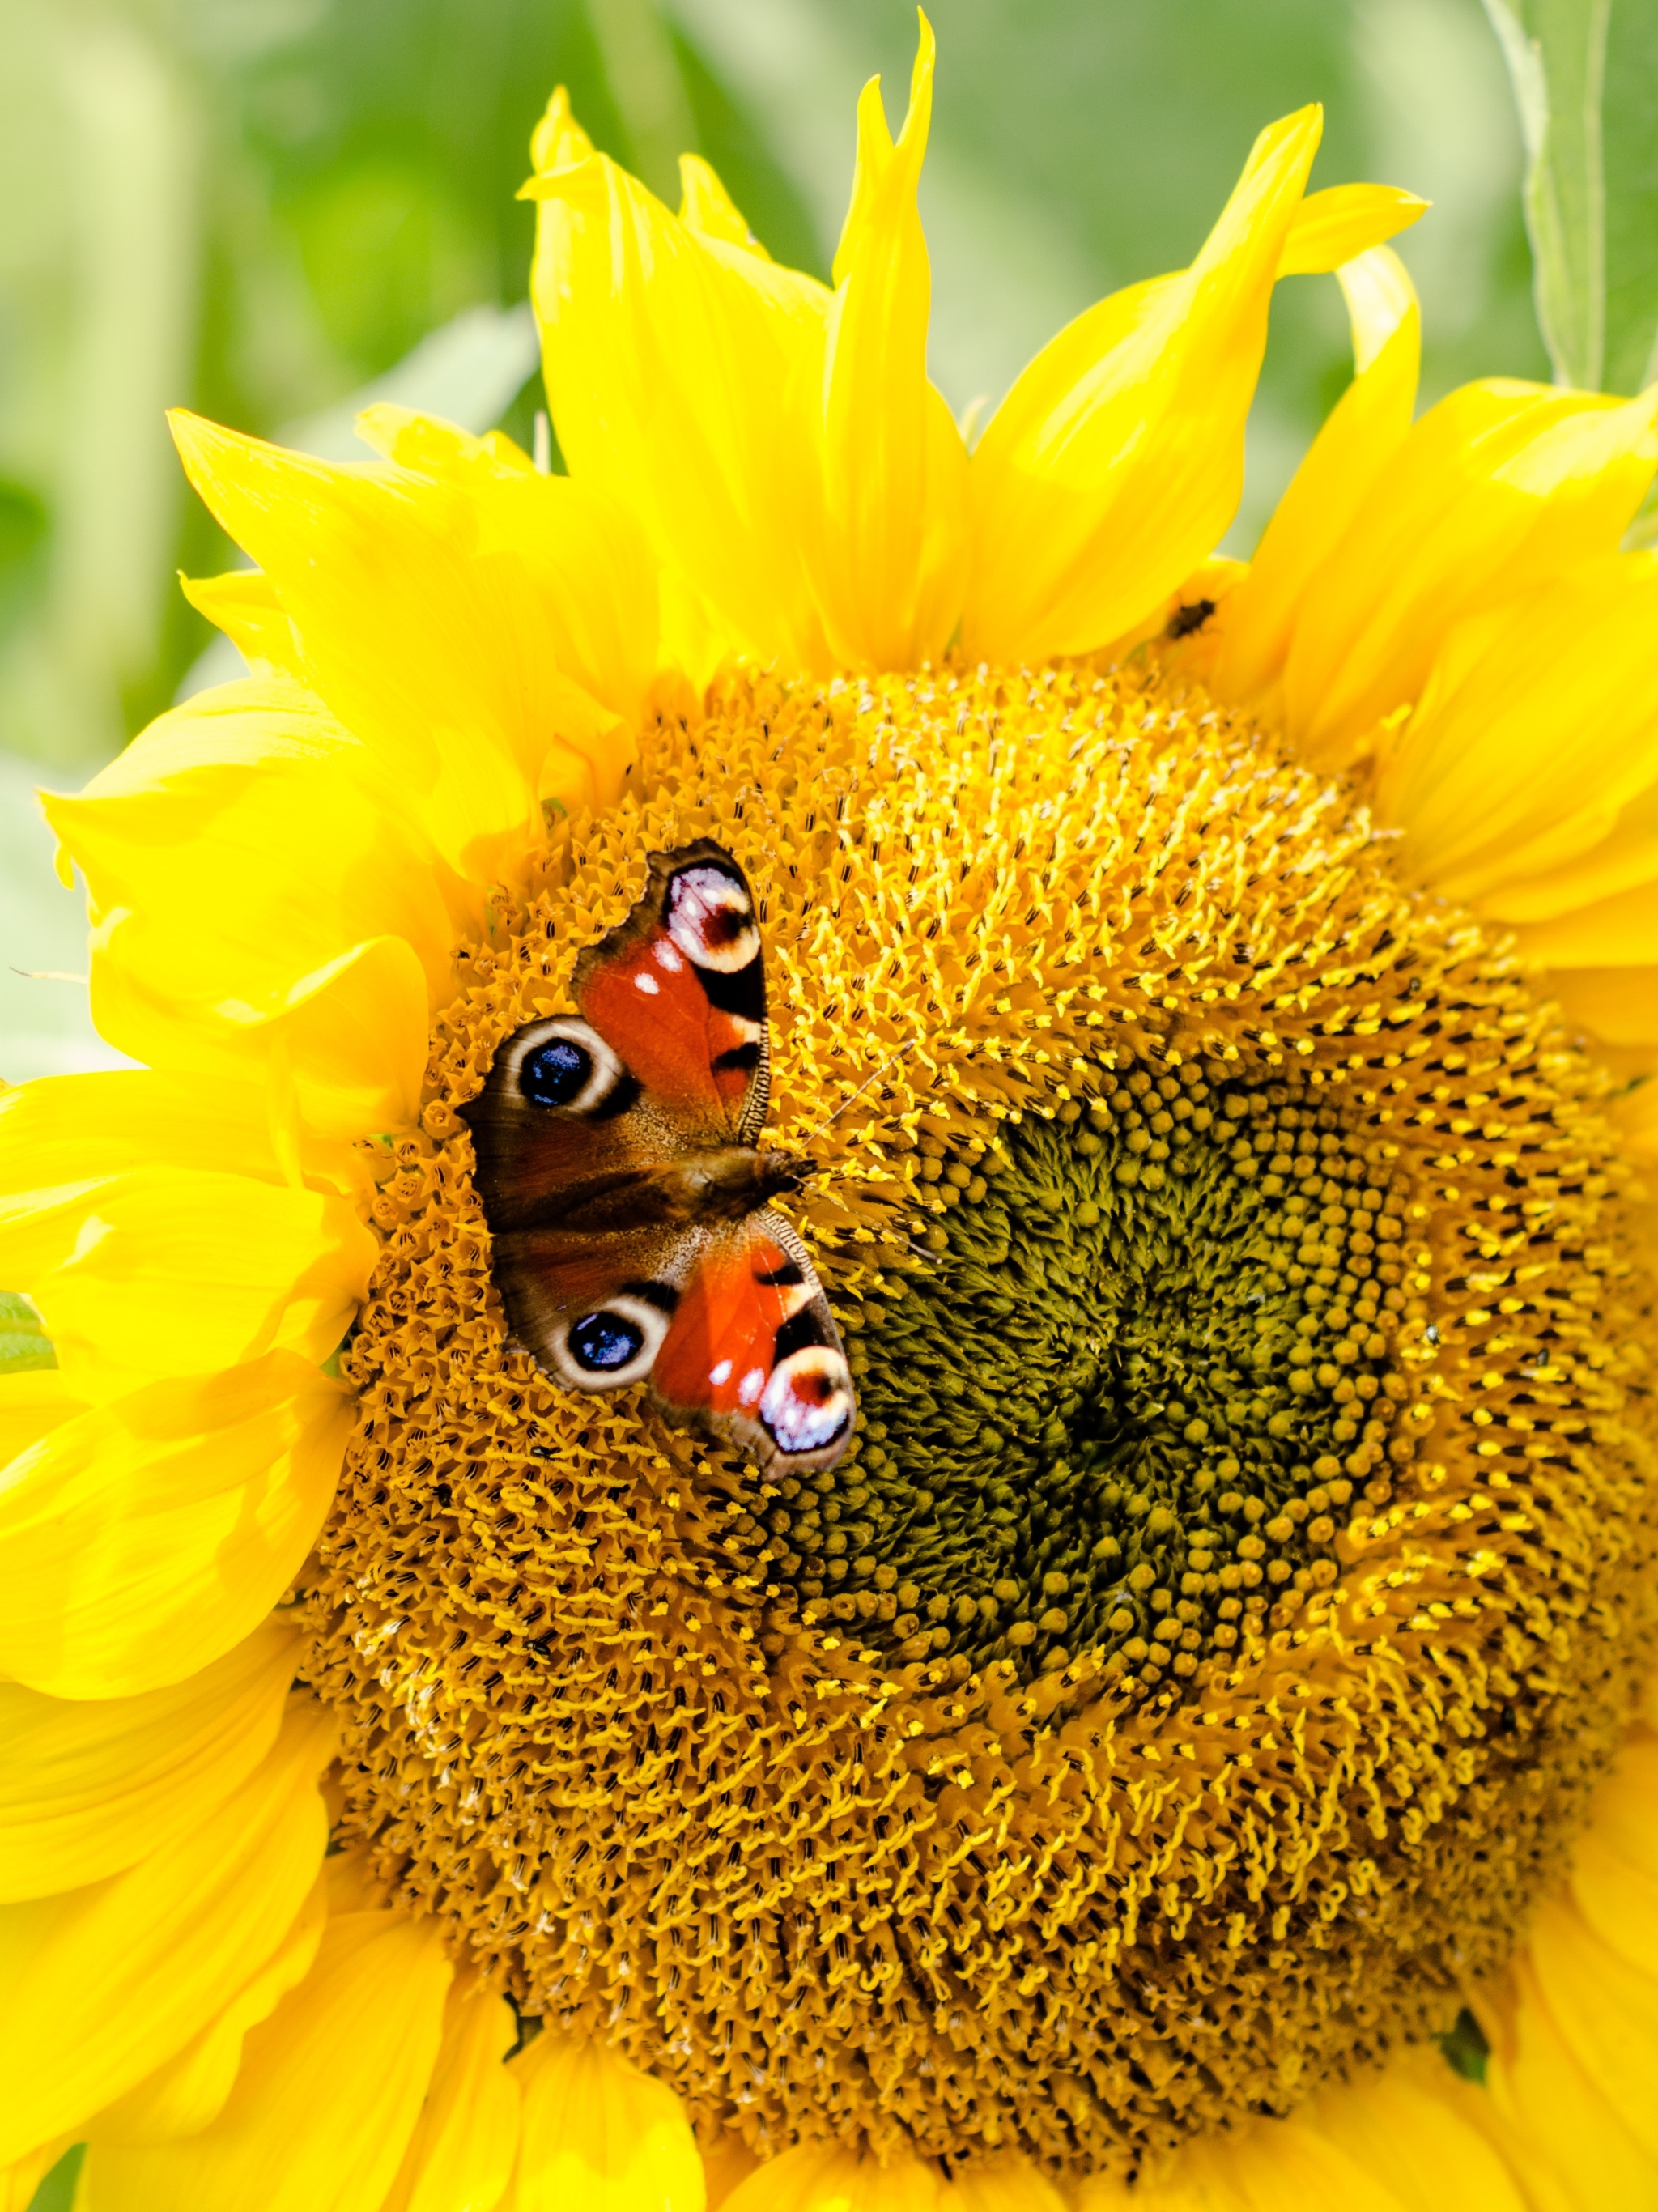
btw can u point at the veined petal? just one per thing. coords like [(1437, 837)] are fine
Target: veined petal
[(1615, 1862), (236, 854), (431, 638), (327, 2094), (892, 561), (105, 1984), (1422, 2132), (63, 1129), (460, 2156), (167, 1271), (1116, 461), (142, 1541), (1338, 225), (1605, 2007), (598, 2133), (1365, 430), (1616, 1005), (189, 2093), (1277, 2166), (684, 372), (244, 604), (88, 1787), (1538, 726), (32, 1404), (1498, 488), (1544, 2086)]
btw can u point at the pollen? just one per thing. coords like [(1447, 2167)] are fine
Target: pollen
[(1243, 1565)]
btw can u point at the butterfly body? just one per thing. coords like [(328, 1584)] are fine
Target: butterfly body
[(628, 1203)]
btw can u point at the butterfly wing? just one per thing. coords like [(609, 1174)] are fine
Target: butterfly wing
[(752, 1350), (679, 990), (670, 1052), (626, 1205)]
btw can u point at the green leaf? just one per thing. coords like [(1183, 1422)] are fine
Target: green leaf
[(56, 2192), (1585, 77), (1629, 133), (1465, 2048), (23, 1343)]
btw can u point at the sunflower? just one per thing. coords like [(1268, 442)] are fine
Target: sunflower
[(1191, 1751)]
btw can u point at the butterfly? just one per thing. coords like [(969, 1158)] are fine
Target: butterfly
[(627, 1200)]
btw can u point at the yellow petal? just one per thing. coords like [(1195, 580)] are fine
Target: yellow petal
[(708, 209), (88, 1787), (1339, 225), (684, 376), (460, 2157), (829, 2177), (164, 1271), (558, 138), (726, 2162), (1001, 2183), (1573, 2135), (1615, 1864), (891, 560), (245, 606), (1499, 488), (1276, 2166), (597, 2133), (1380, 295), (32, 1404), (1420, 2130), (1605, 2007), (1537, 727), (1364, 431), (434, 642), (190, 2092), (70, 1128), (327, 2095), (236, 854), (105, 1984), (593, 575), (141, 1541), (1116, 461)]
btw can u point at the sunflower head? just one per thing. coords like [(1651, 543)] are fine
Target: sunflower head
[(1201, 1647)]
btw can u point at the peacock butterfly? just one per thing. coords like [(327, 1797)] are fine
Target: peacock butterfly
[(626, 1198)]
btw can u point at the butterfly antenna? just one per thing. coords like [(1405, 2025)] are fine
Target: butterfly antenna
[(852, 1100)]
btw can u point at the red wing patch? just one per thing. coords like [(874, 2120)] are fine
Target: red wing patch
[(753, 1349), (679, 990)]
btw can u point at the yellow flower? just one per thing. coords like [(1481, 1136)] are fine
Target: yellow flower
[(1191, 1752)]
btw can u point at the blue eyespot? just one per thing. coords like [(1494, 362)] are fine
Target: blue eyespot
[(602, 1342), (555, 1072)]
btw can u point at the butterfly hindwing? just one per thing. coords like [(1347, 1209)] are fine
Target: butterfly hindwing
[(753, 1350), (628, 1203)]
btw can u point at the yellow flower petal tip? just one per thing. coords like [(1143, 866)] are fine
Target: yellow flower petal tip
[(1219, 1001), (1333, 226)]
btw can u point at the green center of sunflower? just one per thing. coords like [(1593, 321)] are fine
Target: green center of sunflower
[(1122, 1405)]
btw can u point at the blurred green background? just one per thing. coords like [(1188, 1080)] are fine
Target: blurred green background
[(259, 208)]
